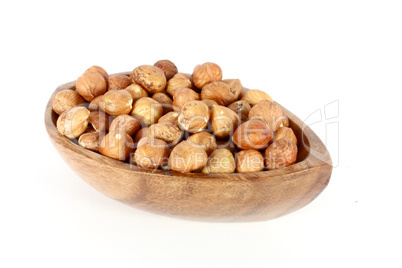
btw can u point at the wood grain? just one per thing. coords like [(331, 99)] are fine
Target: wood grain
[(207, 197)]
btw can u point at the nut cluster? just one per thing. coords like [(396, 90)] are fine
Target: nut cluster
[(156, 117)]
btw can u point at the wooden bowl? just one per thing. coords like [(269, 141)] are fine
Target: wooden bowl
[(233, 197)]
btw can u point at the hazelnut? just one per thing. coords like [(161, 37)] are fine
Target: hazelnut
[(223, 121), (268, 111), (73, 122), (168, 68), (179, 80), (254, 96), (182, 96), (170, 117), (253, 134), (99, 70), (206, 73), (164, 99), (186, 158), (147, 111), (151, 153), (242, 108), (117, 145), (203, 140), (151, 78), (65, 100), (285, 132), (220, 161), (142, 133), (117, 102), (137, 92), (249, 161), (91, 140), (194, 116), (209, 103), (219, 92), (280, 153), (168, 132), (118, 81), (90, 85), (235, 87), (99, 121), (125, 123), (94, 104)]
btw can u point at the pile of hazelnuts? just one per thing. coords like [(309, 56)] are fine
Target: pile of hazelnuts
[(156, 117)]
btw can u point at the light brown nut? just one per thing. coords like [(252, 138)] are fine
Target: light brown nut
[(90, 85), (209, 103), (65, 100), (94, 104), (91, 140), (168, 67), (170, 117), (151, 153), (203, 140), (125, 123), (151, 78), (235, 87), (249, 161), (194, 116), (241, 108), (182, 96), (206, 73), (99, 70), (137, 92), (73, 122), (142, 133), (253, 134), (280, 153), (186, 158), (223, 121), (118, 81), (268, 111), (117, 145), (147, 111), (220, 161), (168, 132), (179, 80), (164, 99), (219, 92), (99, 121), (254, 96), (285, 132), (116, 102)]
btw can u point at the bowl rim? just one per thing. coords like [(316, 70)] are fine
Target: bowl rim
[(310, 161)]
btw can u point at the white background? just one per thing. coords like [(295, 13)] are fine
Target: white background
[(305, 54)]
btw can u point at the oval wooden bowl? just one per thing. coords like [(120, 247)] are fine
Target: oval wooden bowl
[(215, 197)]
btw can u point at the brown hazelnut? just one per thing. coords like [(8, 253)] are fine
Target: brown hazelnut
[(223, 121), (268, 111), (90, 85), (182, 96), (91, 140), (94, 104), (203, 140), (73, 122), (186, 158), (167, 67), (99, 121), (117, 145), (168, 132), (170, 117), (142, 133), (137, 92), (118, 81), (147, 111), (242, 108), (220, 161), (99, 70), (219, 92), (151, 78), (125, 123), (206, 73), (253, 134), (209, 103), (280, 153), (285, 132), (117, 102), (164, 99), (235, 87), (194, 116), (254, 96), (179, 80), (65, 100), (249, 161), (151, 153)]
